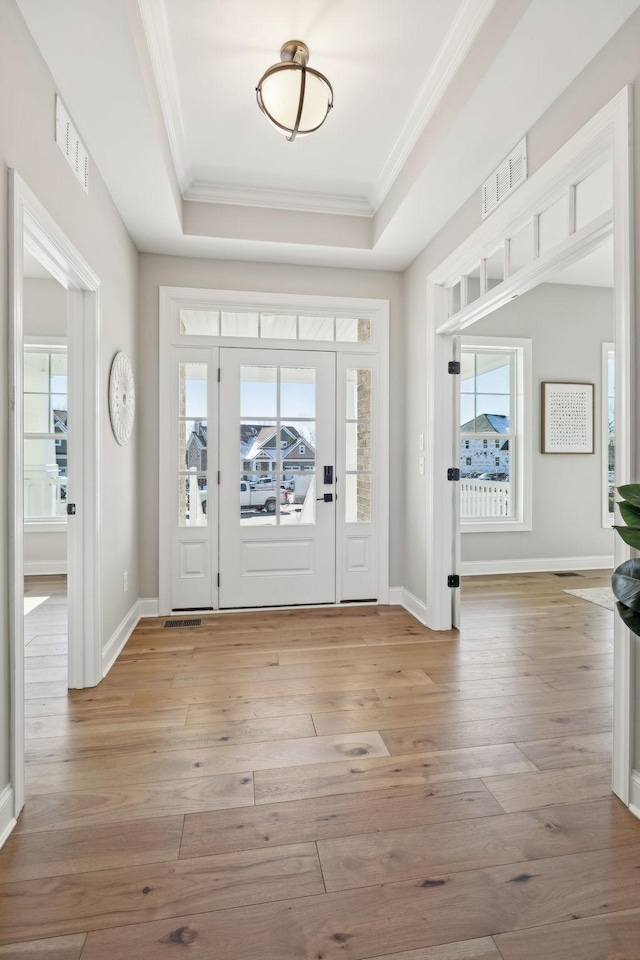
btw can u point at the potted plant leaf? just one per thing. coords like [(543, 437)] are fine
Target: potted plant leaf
[(625, 581)]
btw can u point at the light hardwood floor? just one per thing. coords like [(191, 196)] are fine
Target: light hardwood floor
[(327, 784)]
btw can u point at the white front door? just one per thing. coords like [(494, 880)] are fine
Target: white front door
[(277, 435)]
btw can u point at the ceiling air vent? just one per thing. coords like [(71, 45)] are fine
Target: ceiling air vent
[(71, 145), (509, 175)]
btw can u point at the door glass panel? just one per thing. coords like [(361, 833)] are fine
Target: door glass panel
[(301, 509), (298, 392), (258, 502), (276, 326), (316, 328), (36, 413), (358, 498), (554, 224), (358, 446), (240, 324), (594, 195), (359, 394), (192, 445), (258, 450), (200, 323), (258, 392), (193, 390), (358, 438), (36, 372), (59, 413), (59, 373), (192, 496), (521, 248)]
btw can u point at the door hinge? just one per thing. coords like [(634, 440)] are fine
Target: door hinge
[(218, 478), (453, 473), (71, 509), (454, 366), (218, 579), (219, 375), (453, 580)]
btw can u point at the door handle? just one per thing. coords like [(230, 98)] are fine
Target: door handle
[(327, 498)]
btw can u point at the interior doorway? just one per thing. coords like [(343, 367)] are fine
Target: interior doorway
[(54, 475), (566, 215)]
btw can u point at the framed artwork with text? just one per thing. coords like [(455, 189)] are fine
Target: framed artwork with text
[(567, 418)]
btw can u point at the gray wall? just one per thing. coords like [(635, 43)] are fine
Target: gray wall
[(93, 224), (45, 315), (157, 271), (567, 326), (617, 64)]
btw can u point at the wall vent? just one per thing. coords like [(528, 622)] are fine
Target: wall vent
[(509, 175), (71, 145)]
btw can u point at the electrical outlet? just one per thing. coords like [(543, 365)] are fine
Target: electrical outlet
[(421, 465), (125, 582)]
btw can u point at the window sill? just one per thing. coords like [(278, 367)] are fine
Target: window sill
[(495, 526), (46, 526)]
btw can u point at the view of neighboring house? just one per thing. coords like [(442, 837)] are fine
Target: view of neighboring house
[(480, 453), (259, 450), (196, 454)]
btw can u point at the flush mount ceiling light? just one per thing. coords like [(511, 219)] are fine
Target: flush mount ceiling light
[(294, 98)]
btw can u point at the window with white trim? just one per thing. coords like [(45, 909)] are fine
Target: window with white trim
[(493, 447), (45, 432)]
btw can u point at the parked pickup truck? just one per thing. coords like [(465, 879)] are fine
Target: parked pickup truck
[(263, 498)]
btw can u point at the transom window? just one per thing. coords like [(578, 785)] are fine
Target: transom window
[(274, 326)]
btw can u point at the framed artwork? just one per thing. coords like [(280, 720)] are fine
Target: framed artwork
[(567, 418)]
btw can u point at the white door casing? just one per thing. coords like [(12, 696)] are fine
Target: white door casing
[(362, 539)]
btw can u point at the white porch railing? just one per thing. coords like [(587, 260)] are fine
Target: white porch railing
[(484, 498)]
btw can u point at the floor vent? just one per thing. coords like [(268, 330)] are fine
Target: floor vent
[(567, 573), (509, 175), (195, 622)]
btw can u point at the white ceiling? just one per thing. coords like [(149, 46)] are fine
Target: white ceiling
[(429, 97), (375, 53), (594, 270)]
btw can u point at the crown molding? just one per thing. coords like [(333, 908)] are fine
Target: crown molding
[(205, 191), (156, 31), (457, 42), (454, 48)]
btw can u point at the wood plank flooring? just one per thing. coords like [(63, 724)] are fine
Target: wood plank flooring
[(329, 784)]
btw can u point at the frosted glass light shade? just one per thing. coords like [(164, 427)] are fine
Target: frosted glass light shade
[(295, 98)]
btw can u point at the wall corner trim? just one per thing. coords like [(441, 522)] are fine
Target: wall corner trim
[(148, 607), (634, 799), (119, 637), (7, 809), (415, 607)]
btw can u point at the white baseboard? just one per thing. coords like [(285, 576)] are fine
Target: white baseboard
[(119, 637), (7, 810), (148, 607), (634, 794), (475, 568), (395, 596), (44, 568), (415, 607)]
